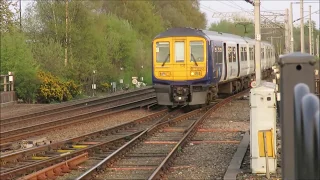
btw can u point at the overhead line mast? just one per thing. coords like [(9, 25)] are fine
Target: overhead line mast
[(257, 28)]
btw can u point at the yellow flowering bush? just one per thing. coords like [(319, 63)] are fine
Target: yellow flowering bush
[(54, 89), (105, 86)]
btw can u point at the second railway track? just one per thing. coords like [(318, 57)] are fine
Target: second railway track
[(22, 133), (62, 110)]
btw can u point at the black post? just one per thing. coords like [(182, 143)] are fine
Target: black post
[(294, 68)]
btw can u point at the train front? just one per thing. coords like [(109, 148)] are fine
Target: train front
[(180, 67)]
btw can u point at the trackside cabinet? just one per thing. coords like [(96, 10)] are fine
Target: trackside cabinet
[(263, 113)]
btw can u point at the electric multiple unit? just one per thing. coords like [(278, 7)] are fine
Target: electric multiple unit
[(191, 66)]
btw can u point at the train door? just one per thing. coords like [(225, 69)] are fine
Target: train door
[(179, 59), (224, 62), (262, 57), (239, 60), (218, 64), (162, 59), (252, 60), (248, 54), (232, 64), (243, 60)]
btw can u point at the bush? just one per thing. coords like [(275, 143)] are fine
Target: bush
[(53, 89), (105, 87)]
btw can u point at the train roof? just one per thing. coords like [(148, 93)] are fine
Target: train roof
[(210, 35)]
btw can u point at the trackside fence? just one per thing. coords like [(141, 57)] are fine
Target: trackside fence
[(299, 118)]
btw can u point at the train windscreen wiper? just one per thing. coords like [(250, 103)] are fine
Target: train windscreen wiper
[(164, 62), (194, 60)]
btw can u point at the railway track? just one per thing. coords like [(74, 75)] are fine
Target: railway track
[(97, 145), (77, 106), (12, 136), (151, 153)]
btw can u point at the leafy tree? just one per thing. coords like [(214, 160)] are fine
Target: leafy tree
[(16, 56), (181, 13), (7, 17)]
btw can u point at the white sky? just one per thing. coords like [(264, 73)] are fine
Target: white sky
[(279, 6)]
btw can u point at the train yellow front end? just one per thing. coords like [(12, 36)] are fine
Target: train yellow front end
[(180, 69)]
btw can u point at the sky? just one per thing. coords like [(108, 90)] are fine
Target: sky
[(277, 6)]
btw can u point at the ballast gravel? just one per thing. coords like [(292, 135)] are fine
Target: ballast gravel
[(22, 109), (95, 125), (211, 160)]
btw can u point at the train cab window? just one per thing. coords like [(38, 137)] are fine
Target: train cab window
[(179, 51), (162, 52), (196, 51)]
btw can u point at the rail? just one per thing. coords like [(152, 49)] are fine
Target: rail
[(92, 143), (73, 105), (18, 134), (188, 123)]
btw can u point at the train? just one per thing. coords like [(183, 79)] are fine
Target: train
[(193, 67)]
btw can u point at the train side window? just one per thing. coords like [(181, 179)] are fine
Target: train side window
[(230, 54), (245, 54), (241, 53), (252, 54), (196, 51), (162, 52), (219, 54), (179, 51), (234, 54)]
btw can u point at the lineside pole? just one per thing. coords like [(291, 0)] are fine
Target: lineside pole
[(258, 40), (310, 32), (291, 28), (287, 32), (317, 45), (301, 26)]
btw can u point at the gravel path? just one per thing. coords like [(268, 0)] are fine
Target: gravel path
[(211, 160)]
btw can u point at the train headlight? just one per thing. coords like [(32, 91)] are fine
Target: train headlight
[(195, 73), (165, 73)]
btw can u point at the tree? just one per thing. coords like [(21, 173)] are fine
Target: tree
[(16, 56), (7, 17)]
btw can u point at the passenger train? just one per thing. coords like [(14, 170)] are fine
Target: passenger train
[(191, 66)]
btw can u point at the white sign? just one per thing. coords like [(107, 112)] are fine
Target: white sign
[(94, 86), (121, 81), (141, 78), (134, 81), (10, 78)]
